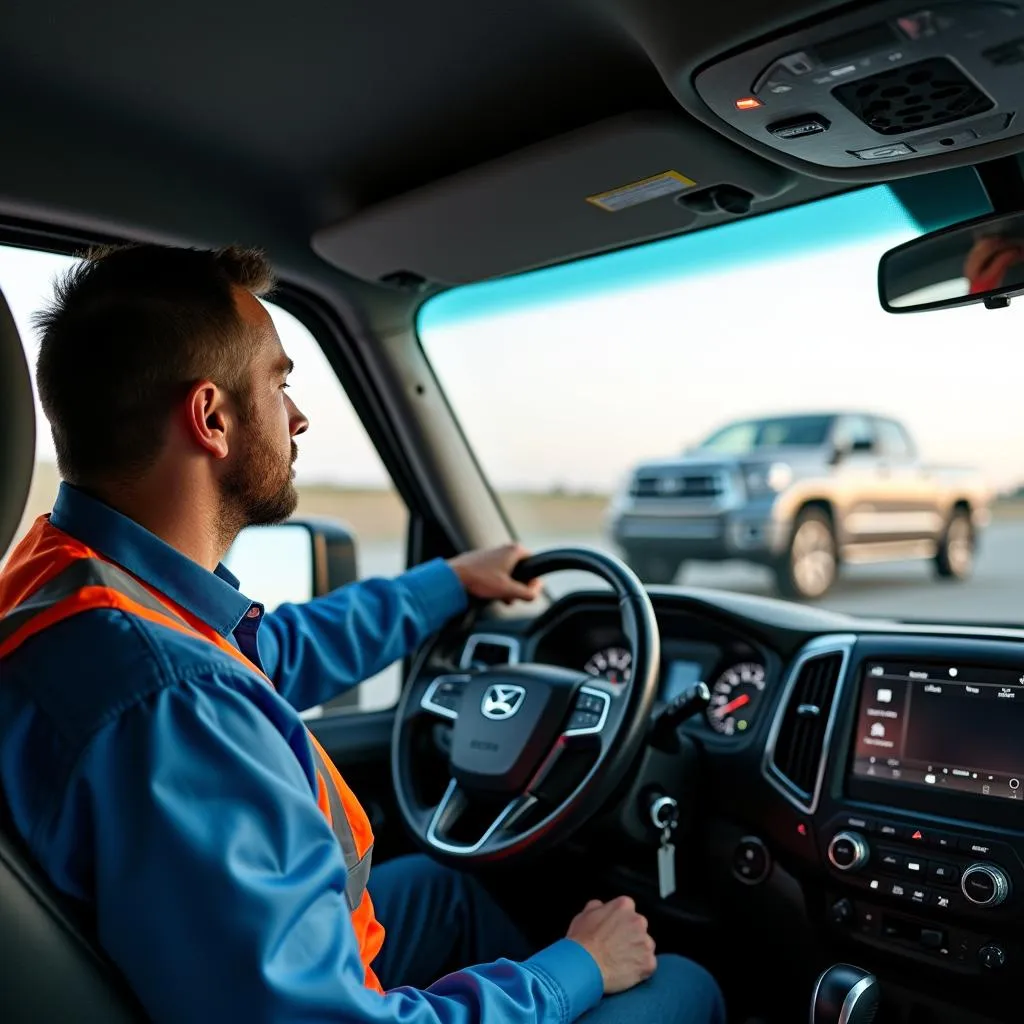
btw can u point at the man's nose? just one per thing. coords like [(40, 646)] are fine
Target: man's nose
[(297, 422)]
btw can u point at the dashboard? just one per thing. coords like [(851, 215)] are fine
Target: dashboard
[(864, 777)]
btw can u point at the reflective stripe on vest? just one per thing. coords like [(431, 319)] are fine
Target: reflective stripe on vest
[(17, 626)]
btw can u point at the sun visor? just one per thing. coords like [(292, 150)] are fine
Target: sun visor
[(612, 184)]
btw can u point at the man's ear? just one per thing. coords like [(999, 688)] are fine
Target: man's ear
[(207, 418)]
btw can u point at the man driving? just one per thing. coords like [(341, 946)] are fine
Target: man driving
[(153, 758)]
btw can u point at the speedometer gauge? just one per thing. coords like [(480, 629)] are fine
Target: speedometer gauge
[(734, 698), (614, 664)]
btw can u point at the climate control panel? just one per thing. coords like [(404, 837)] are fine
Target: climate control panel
[(945, 872)]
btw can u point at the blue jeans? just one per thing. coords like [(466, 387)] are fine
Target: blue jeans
[(439, 920)]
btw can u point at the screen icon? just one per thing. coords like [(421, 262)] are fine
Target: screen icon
[(1014, 783), (879, 671), (930, 779), (878, 730), (884, 696)]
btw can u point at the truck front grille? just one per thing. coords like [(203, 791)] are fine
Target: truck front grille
[(676, 485)]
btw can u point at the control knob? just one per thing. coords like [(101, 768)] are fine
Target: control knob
[(848, 851), (985, 885)]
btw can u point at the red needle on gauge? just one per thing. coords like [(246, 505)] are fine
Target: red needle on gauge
[(733, 705)]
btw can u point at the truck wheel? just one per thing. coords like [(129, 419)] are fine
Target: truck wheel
[(654, 569), (811, 564), (955, 558)]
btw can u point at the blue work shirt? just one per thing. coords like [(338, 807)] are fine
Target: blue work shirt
[(173, 792)]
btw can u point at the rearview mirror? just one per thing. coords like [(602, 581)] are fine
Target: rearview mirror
[(293, 561), (979, 261)]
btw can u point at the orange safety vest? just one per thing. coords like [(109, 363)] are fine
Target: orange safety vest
[(51, 576)]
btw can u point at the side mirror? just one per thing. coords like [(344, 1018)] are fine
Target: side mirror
[(981, 260), (845, 449), (293, 561)]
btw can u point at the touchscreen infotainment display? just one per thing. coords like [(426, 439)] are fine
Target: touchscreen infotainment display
[(949, 727)]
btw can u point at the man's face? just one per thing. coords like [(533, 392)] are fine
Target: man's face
[(258, 485)]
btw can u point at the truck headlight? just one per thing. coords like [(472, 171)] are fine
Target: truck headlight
[(769, 479)]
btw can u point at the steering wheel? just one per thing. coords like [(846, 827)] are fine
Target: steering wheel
[(532, 750)]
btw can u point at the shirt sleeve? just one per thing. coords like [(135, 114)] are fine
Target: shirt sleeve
[(220, 886), (315, 651)]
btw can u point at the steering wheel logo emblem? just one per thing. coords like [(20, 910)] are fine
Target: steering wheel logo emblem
[(501, 702)]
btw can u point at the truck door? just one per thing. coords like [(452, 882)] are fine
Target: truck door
[(911, 506), (859, 487)]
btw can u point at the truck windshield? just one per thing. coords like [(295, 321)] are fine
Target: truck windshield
[(783, 432), (585, 391)]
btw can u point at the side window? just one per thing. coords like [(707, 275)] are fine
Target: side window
[(895, 441), (854, 433), (338, 473)]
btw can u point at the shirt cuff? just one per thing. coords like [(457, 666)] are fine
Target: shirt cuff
[(574, 972), (437, 591)]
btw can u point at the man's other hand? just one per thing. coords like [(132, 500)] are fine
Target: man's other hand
[(616, 936), (488, 574)]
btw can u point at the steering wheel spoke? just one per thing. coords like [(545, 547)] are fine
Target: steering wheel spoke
[(443, 696), (456, 809)]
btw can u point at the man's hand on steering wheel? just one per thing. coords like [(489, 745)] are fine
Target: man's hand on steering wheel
[(487, 574)]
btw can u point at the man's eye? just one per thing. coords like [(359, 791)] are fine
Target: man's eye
[(286, 385)]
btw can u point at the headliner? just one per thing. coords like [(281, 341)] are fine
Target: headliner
[(260, 122)]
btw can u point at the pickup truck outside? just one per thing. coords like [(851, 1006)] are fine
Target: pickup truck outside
[(803, 495)]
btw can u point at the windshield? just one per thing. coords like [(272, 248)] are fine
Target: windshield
[(782, 432), (623, 401)]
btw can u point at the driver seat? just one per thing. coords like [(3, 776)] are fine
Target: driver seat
[(50, 967)]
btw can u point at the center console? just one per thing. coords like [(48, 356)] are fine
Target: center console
[(919, 815)]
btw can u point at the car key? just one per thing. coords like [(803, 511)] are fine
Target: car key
[(665, 815), (666, 863)]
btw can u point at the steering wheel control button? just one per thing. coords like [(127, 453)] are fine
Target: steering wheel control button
[(751, 861), (590, 714), (848, 851), (985, 885)]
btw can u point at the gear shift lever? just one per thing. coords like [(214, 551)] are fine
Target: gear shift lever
[(845, 995)]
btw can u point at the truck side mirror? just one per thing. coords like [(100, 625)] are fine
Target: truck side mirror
[(293, 561)]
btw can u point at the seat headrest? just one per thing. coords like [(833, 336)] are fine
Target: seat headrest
[(17, 428)]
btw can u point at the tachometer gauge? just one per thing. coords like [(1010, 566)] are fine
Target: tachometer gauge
[(734, 698), (614, 664)]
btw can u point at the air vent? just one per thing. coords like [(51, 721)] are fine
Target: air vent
[(921, 95), (800, 741)]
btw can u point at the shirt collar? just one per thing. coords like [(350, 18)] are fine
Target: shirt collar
[(213, 597)]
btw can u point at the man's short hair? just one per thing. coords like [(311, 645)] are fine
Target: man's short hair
[(129, 331)]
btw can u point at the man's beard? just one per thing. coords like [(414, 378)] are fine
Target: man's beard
[(258, 490)]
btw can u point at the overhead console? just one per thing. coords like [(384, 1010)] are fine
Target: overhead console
[(892, 83)]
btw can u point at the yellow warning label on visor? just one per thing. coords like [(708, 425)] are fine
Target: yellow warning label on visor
[(667, 184)]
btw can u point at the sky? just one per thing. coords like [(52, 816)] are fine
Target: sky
[(568, 377)]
